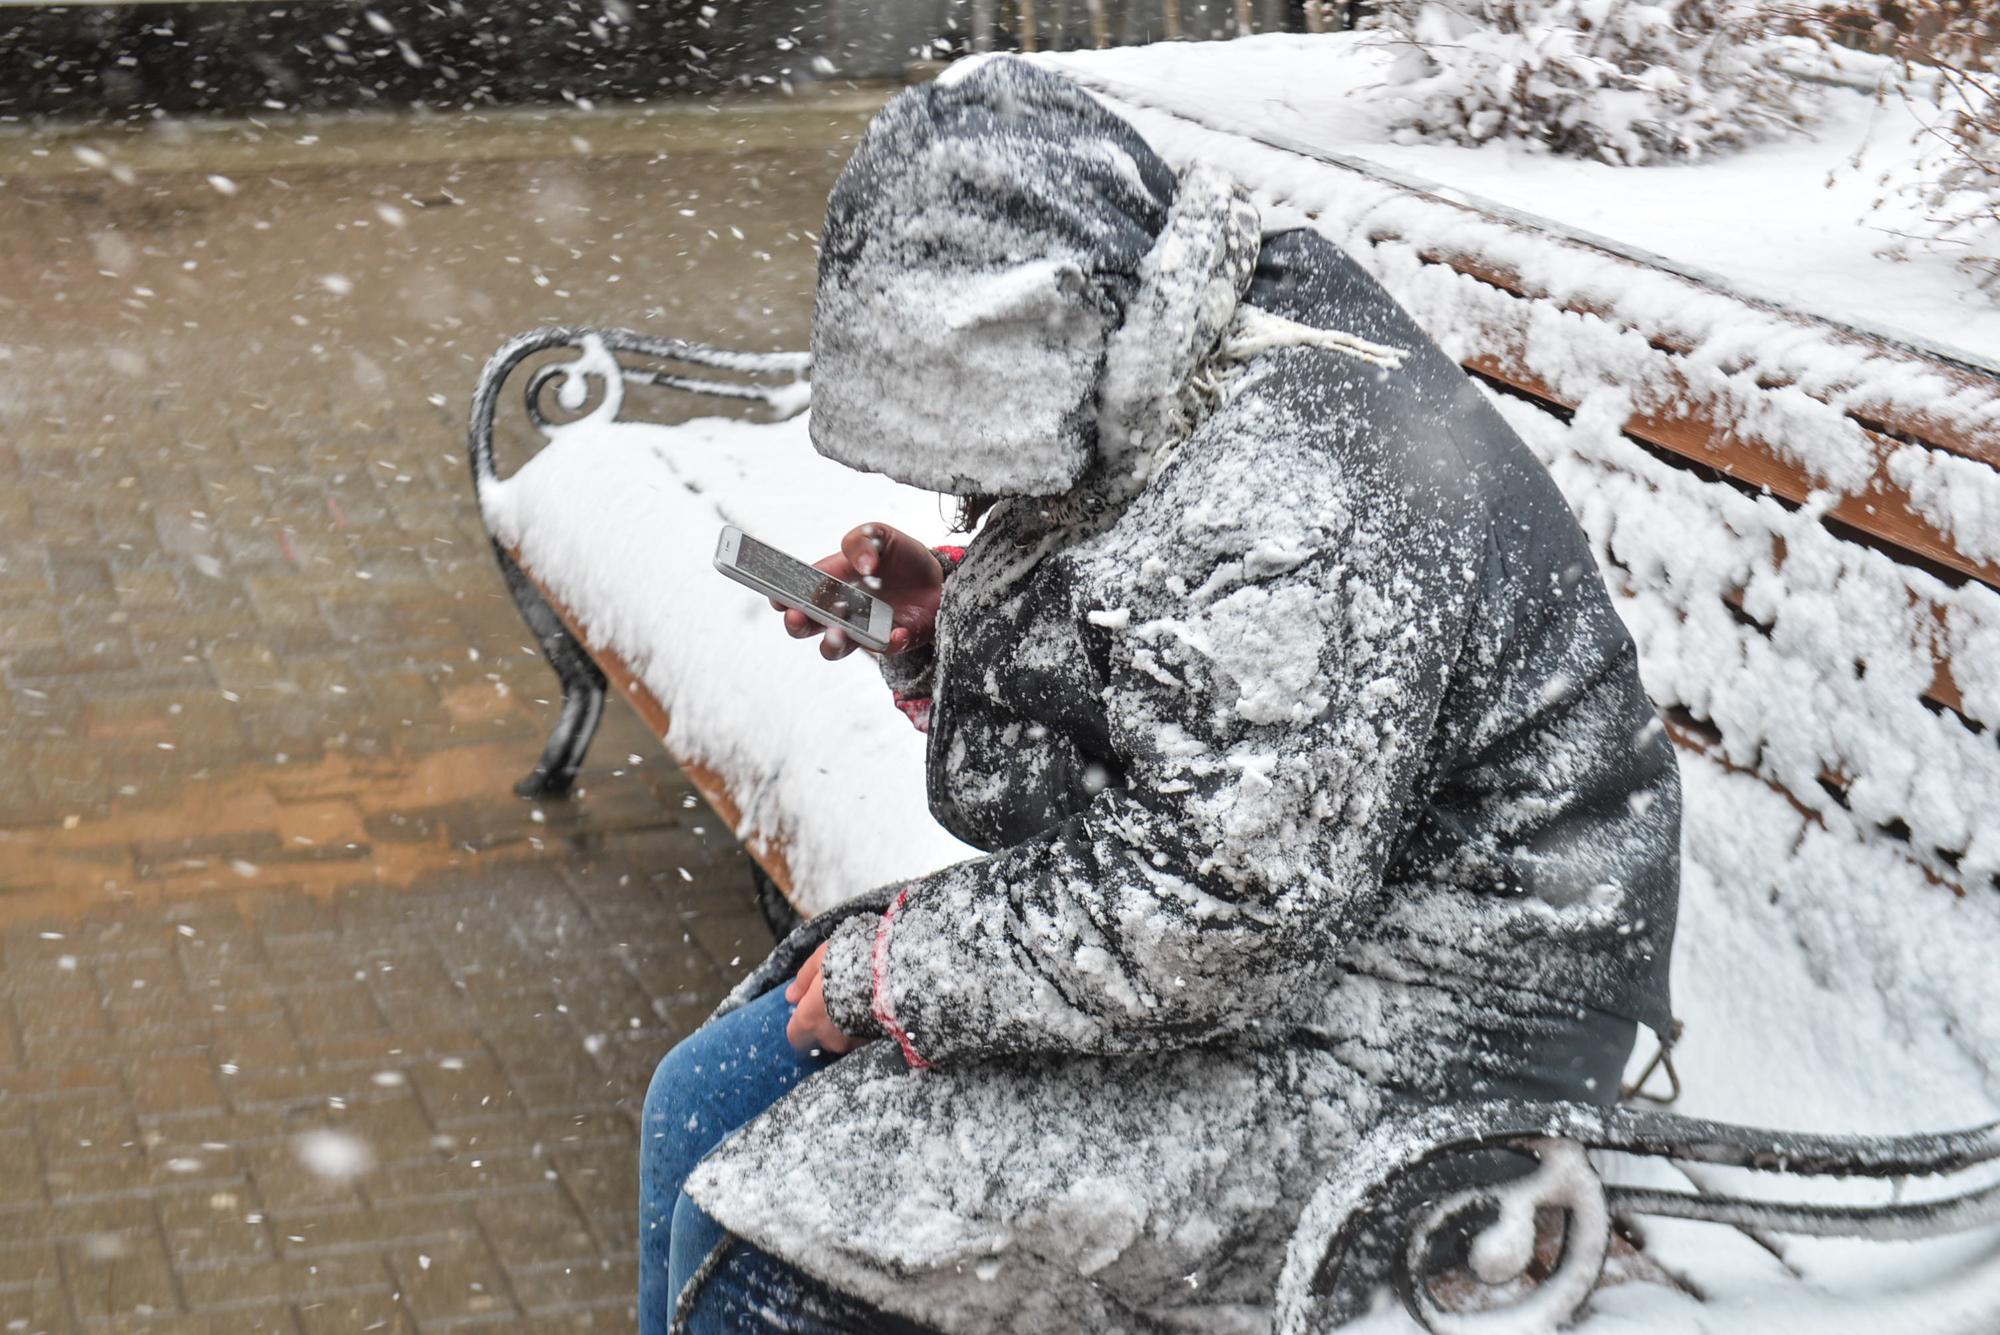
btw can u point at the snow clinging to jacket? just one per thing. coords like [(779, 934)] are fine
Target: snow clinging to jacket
[(1309, 754)]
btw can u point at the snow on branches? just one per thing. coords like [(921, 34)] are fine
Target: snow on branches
[(1964, 197), (1950, 52), (1627, 83)]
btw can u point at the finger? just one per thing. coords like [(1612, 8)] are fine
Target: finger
[(907, 561), (801, 627), (836, 645), (806, 1030), (807, 972), (899, 640), (837, 565), (900, 558), (863, 547)]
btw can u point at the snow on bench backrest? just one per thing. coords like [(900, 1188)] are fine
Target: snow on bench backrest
[(1805, 522)]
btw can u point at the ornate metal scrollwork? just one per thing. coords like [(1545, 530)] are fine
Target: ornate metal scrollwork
[(1497, 1228), (599, 350), (1416, 1198), (607, 360)]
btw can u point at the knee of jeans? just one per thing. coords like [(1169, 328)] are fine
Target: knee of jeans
[(672, 1097), (693, 1238), (690, 1220)]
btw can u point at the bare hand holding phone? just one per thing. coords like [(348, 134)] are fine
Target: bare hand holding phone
[(894, 567)]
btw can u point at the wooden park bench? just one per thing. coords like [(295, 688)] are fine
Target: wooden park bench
[(1819, 627)]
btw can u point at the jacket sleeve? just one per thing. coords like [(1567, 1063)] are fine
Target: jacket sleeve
[(1271, 681)]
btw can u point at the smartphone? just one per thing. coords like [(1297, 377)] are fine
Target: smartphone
[(833, 603)]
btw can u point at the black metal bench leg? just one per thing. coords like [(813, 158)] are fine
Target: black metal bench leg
[(779, 915), (583, 687)]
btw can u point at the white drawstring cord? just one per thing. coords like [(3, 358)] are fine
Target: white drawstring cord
[(1256, 330), (1252, 330)]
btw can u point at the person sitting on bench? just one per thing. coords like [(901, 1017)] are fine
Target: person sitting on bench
[(1310, 759)]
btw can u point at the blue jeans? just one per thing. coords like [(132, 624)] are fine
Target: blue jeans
[(714, 1081)]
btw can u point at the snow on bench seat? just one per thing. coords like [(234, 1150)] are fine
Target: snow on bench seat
[(617, 521)]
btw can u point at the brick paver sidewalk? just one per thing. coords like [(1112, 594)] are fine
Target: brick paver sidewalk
[(306, 1022), (365, 1112)]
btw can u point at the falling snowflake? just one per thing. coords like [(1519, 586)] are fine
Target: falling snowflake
[(333, 1155)]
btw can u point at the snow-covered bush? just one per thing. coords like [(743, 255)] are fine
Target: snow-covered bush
[(1617, 80), (1950, 52), (1963, 197)]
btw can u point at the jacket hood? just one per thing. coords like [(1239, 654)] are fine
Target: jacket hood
[(981, 253)]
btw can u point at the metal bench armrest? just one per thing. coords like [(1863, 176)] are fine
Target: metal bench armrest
[(640, 359)]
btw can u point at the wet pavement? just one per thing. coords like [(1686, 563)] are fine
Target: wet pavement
[(306, 1022)]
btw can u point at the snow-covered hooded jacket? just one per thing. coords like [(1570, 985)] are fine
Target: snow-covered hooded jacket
[(1312, 759)]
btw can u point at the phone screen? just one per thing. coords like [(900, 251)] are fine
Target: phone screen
[(801, 584)]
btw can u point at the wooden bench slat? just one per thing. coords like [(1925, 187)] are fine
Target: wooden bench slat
[(1942, 690), (1695, 732), (1884, 511), (1880, 418), (1698, 432), (1694, 737)]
